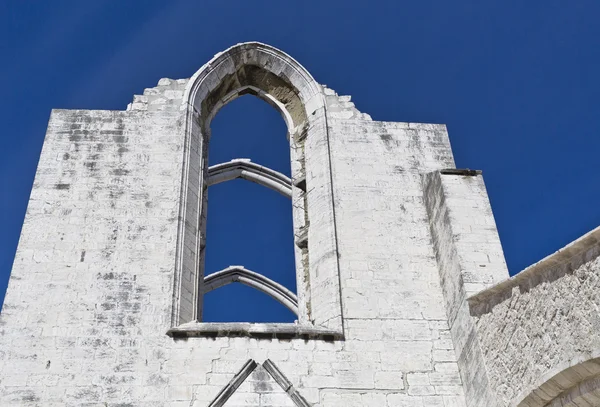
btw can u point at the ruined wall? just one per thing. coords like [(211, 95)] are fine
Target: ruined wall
[(392, 301), (91, 279), (90, 299), (540, 330)]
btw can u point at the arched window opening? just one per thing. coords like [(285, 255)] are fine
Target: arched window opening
[(276, 78), (247, 223)]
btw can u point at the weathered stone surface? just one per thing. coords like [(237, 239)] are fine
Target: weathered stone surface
[(540, 331), (393, 253)]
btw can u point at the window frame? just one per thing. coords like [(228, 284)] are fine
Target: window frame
[(265, 72)]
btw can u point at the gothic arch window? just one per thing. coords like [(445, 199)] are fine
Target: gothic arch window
[(249, 218), (273, 76)]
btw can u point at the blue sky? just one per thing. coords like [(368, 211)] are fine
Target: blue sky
[(516, 82)]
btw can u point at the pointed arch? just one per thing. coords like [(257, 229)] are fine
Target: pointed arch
[(270, 74), (258, 69), (239, 274), (246, 169), (576, 383)]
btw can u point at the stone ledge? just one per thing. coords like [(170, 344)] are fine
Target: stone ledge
[(245, 329)]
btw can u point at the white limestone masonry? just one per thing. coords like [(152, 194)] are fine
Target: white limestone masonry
[(403, 294)]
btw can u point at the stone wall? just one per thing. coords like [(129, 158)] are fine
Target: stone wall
[(90, 298), (93, 291), (540, 330), (392, 300), (91, 280)]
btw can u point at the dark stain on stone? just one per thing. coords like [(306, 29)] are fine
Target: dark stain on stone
[(148, 204), (82, 258), (117, 322), (117, 379), (99, 147), (112, 132), (120, 172), (113, 392), (66, 156), (132, 320), (30, 396), (100, 318), (115, 194), (122, 150), (126, 286), (107, 306), (95, 343), (120, 139), (69, 173), (75, 138), (48, 365), (87, 394), (398, 169), (62, 186), (387, 140), (90, 165)]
